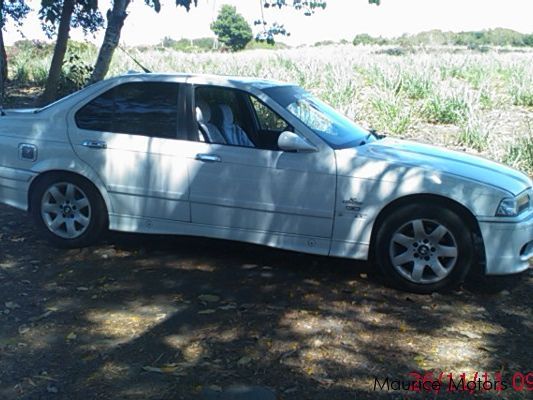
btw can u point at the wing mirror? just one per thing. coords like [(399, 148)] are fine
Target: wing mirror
[(290, 141)]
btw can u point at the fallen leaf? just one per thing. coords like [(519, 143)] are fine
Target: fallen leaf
[(23, 329), (42, 316), (209, 298), (244, 360), (52, 389), (420, 361), (208, 311), (72, 336), (165, 369), (11, 305), (44, 376)]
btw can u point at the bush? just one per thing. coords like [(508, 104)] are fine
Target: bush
[(74, 75)]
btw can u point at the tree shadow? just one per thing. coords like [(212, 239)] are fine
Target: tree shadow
[(158, 317)]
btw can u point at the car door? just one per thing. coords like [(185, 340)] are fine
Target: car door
[(259, 188), (128, 135)]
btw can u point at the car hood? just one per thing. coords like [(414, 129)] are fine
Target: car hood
[(436, 159)]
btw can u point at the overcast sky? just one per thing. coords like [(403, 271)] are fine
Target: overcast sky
[(342, 19)]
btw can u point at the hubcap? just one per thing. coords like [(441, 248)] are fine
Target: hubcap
[(423, 251), (66, 210)]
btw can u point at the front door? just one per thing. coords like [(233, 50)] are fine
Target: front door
[(248, 183), (128, 135)]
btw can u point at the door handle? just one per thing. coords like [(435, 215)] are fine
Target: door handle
[(94, 144), (208, 157)]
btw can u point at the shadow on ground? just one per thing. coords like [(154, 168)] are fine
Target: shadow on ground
[(152, 317)]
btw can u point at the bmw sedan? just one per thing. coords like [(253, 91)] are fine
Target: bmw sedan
[(261, 162)]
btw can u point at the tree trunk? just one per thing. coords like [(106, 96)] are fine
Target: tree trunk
[(50, 89), (3, 57), (115, 22)]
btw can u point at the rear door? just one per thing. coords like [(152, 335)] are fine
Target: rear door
[(129, 136)]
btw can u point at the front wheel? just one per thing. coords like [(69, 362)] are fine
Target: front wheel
[(68, 210), (424, 248)]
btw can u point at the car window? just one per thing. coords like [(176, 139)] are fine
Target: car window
[(137, 108), (235, 117), (268, 120), (225, 117)]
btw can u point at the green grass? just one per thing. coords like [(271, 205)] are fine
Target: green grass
[(389, 114), (474, 134), (522, 93), (520, 154), (417, 86), (441, 109)]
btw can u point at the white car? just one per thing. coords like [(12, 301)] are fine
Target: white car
[(261, 162)]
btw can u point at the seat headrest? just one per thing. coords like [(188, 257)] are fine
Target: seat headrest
[(203, 112), (227, 114)]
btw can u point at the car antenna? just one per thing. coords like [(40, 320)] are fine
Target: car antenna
[(134, 60)]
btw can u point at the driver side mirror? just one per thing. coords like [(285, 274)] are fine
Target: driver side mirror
[(290, 141)]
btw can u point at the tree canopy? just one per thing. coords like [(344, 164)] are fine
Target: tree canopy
[(231, 28), (84, 15), (17, 10)]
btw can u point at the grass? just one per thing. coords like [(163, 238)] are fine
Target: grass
[(520, 153), (429, 94), (444, 109), (391, 115), (474, 134)]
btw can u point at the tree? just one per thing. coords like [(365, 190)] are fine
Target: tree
[(117, 15), (231, 28), (17, 10), (60, 16), (115, 21)]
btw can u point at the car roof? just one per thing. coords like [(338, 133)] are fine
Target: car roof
[(226, 80), (238, 82)]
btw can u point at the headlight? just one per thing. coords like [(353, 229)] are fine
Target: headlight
[(513, 206)]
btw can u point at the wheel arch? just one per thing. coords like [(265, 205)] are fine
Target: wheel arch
[(460, 209), (61, 172)]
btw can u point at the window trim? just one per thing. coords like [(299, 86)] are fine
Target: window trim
[(191, 114), (179, 110)]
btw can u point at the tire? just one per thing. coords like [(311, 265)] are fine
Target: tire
[(424, 248), (68, 210)]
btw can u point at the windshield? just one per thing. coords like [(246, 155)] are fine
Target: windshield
[(335, 129)]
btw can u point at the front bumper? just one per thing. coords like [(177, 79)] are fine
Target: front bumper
[(508, 246)]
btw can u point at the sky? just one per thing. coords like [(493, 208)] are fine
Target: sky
[(342, 19)]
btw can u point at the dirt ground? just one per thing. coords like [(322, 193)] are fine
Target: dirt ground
[(153, 317)]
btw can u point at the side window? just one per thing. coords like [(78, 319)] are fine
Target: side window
[(138, 108), (223, 117), (268, 120)]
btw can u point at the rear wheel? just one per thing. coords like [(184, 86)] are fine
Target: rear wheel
[(424, 248), (68, 210)]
